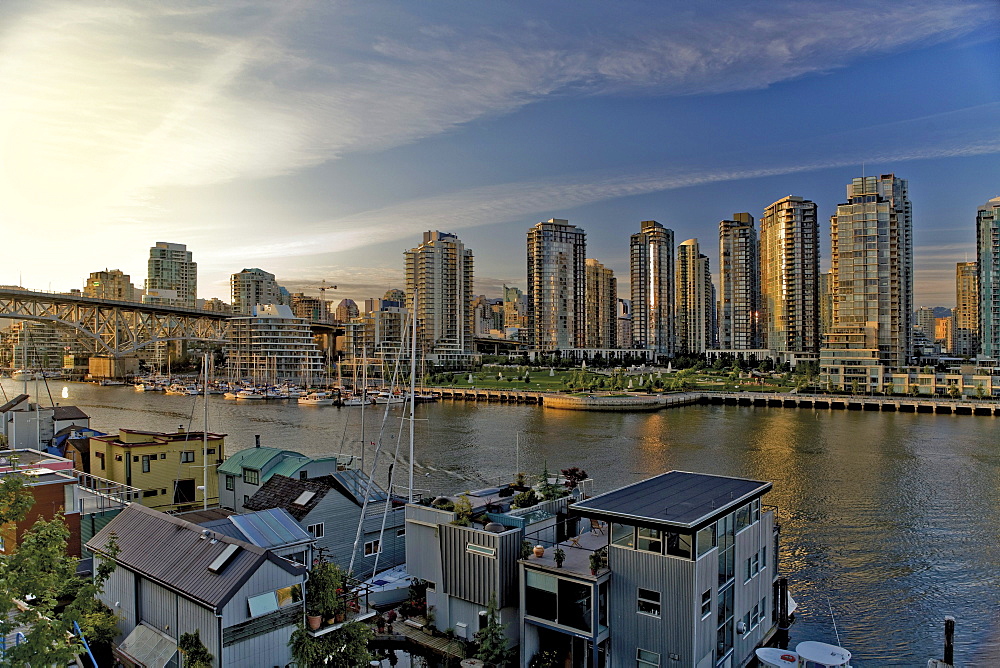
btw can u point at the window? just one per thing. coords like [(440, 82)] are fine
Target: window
[(649, 540), (100, 458), (706, 539), (400, 533), (273, 600), (742, 518), (372, 547), (754, 511), (649, 602), (211, 451), (251, 476), (646, 659), (230, 482), (706, 603), (316, 530), (163, 455), (3, 544), (246, 499), (753, 566), (145, 462), (187, 456), (150, 492)]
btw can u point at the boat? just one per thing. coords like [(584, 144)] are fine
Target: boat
[(387, 397), (358, 401), (388, 588), (250, 395), (316, 399), (24, 374), (808, 653)]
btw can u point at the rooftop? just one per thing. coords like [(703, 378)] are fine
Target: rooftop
[(255, 458), (676, 499), (296, 496)]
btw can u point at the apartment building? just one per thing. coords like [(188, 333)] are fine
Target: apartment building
[(271, 345), (255, 286), (602, 305), (556, 305), (739, 271), (695, 300), (651, 260), (110, 284), (988, 246), (175, 471)]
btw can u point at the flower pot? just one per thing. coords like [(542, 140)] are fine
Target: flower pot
[(539, 551), (339, 617), (314, 621)]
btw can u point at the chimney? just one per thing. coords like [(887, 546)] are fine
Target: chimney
[(257, 438), (180, 429)]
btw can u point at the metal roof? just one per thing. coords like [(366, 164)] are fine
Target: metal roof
[(354, 484), (270, 528), (288, 466), (176, 554), (253, 458), (676, 499), (13, 402)]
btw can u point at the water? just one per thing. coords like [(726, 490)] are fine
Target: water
[(888, 519)]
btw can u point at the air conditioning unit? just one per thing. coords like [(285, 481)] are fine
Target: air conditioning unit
[(462, 630)]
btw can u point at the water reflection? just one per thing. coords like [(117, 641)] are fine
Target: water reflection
[(888, 520)]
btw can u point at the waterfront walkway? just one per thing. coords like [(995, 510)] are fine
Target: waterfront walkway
[(964, 406)]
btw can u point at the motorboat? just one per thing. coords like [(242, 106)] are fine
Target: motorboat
[(316, 399), (358, 401), (250, 395), (807, 654), (388, 588)]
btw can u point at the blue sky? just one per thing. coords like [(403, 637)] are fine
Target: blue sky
[(319, 140)]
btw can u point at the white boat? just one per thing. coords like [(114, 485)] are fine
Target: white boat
[(358, 401), (809, 653), (388, 588), (316, 399), (250, 395), (386, 397), (23, 374), (231, 395)]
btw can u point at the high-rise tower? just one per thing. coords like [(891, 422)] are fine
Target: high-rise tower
[(695, 299), (439, 271), (602, 306), (739, 303), (966, 328), (652, 265), (556, 284), (871, 250), (172, 278), (254, 286), (988, 246), (789, 273)]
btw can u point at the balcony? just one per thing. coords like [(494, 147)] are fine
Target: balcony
[(577, 547)]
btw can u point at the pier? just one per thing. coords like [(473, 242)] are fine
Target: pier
[(940, 406)]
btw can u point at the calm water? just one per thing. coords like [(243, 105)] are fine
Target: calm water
[(889, 520)]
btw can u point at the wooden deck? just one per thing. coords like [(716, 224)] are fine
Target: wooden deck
[(449, 647)]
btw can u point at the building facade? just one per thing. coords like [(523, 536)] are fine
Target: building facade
[(556, 305), (254, 286), (739, 272), (871, 252), (789, 274), (439, 294), (271, 346), (110, 284), (602, 305), (695, 300), (169, 468), (651, 257), (624, 314), (966, 330), (172, 277), (988, 247)]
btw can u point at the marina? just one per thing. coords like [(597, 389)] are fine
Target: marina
[(888, 518)]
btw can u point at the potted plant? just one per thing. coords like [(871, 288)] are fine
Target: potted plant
[(596, 562), (560, 556), (314, 617), (525, 549)]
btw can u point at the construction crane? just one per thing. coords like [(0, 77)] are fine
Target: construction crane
[(323, 287)]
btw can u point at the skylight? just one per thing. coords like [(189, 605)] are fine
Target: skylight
[(304, 498)]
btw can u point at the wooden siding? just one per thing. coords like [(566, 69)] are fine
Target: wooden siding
[(673, 631), (340, 517)]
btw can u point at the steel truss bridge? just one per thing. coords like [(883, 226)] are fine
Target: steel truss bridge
[(117, 328)]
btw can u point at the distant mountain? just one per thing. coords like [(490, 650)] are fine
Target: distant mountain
[(941, 311)]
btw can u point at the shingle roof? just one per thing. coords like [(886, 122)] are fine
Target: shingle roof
[(282, 492), (68, 413), (177, 555), (13, 402), (253, 458), (676, 499)]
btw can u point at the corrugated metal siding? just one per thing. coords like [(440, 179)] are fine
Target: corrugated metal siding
[(191, 617), (706, 578), (268, 577), (269, 649), (469, 576), (120, 589), (158, 607), (673, 632), (746, 594)]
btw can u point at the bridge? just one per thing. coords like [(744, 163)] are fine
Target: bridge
[(116, 327)]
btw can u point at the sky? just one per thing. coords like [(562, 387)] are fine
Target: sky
[(319, 140)]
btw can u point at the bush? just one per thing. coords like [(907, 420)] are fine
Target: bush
[(525, 499)]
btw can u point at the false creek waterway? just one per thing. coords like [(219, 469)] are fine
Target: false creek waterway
[(892, 520)]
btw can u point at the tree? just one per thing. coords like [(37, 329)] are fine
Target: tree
[(42, 572), (196, 655), (492, 640), (463, 511), (346, 647)]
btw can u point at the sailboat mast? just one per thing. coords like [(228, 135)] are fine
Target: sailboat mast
[(413, 388), (204, 439), (364, 396)]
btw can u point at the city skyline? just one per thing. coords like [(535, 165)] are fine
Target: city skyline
[(248, 134)]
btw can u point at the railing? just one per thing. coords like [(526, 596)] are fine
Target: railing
[(106, 494)]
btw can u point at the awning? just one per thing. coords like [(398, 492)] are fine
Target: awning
[(148, 648)]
